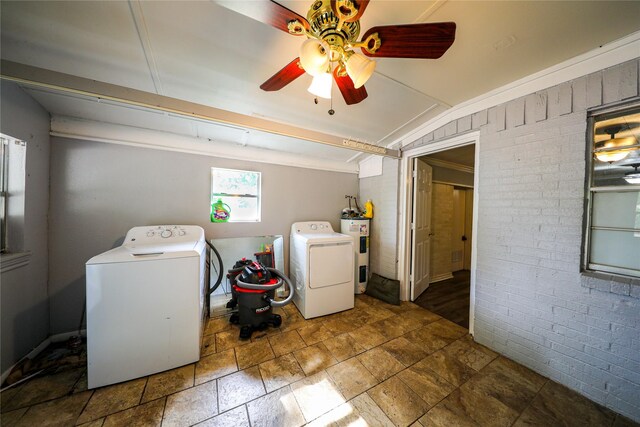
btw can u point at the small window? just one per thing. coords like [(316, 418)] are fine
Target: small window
[(613, 225), (237, 192)]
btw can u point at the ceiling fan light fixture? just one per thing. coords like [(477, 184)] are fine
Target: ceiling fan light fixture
[(321, 85), (611, 156), (614, 149), (633, 177), (314, 56), (359, 68)]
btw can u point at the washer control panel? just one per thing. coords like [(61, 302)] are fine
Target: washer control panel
[(160, 238), (164, 231), (320, 227)]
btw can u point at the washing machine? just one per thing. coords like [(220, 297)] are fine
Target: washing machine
[(145, 304), (321, 267)]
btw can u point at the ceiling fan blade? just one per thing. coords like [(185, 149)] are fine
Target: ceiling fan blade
[(268, 12), (289, 73), (360, 6), (427, 41), (350, 94)]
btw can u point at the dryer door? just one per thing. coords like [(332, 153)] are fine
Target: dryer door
[(330, 265)]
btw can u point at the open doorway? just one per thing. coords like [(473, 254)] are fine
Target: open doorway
[(439, 237)]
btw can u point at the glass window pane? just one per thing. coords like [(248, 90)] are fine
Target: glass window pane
[(242, 208), (623, 172), (240, 190), (230, 181), (616, 209), (616, 248), (616, 148)]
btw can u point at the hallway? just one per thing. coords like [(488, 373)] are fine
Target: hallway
[(449, 298)]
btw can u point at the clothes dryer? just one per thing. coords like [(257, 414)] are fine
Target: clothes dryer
[(321, 268), (145, 304)]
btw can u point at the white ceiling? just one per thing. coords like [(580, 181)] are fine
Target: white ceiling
[(204, 53)]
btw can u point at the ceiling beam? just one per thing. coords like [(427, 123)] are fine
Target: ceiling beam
[(67, 83), (140, 24)]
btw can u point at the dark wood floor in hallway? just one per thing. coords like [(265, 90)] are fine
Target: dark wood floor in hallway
[(449, 298)]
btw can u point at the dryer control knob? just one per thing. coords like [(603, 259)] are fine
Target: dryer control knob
[(166, 233), (182, 233), (314, 227)]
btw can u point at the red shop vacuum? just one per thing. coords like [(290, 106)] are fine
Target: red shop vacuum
[(253, 291)]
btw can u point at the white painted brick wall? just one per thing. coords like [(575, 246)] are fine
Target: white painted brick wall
[(441, 227), (383, 192), (532, 302)]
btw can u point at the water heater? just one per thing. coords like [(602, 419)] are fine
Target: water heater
[(358, 229)]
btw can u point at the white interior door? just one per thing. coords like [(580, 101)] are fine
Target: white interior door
[(421, 228)]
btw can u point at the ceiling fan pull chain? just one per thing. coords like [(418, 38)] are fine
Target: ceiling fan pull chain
[(331, 110)]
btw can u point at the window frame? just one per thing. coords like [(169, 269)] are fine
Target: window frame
[(4, 173), (590, 190), (257, 196)]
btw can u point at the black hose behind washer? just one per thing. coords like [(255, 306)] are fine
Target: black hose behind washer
[(211, 289), (220, 271)]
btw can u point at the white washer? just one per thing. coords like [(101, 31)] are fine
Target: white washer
[(321, 267), (145, 304)]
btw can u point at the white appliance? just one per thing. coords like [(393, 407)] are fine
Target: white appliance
[(145, 304), (321, 268), (359, 230)]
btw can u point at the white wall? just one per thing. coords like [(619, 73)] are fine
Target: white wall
[(24, 305), (383, 192), (101, 190), (532, 302)]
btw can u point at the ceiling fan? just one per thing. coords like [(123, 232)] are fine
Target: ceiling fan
[(332, 28)]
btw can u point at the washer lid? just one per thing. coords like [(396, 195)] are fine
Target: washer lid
[(123, 255), (163, 238)]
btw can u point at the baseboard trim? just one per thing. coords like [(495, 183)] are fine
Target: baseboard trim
[(441, 277), (40, 348)]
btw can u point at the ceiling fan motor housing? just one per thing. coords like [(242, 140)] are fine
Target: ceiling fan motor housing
[(324, 24)]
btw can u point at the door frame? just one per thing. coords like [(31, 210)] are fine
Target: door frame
[(406, 209)]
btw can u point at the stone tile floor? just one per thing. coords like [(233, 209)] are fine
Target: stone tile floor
[(378, 364)]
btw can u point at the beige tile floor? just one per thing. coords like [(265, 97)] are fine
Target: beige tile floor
[(378, 365)]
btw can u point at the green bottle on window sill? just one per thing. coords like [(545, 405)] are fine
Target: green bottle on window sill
[(220, 212)]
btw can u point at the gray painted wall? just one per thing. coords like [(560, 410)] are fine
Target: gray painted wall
[(99, 191), (25, 309), (533, 303)]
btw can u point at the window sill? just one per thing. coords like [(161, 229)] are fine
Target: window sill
[(606, 282), (11, 261)]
